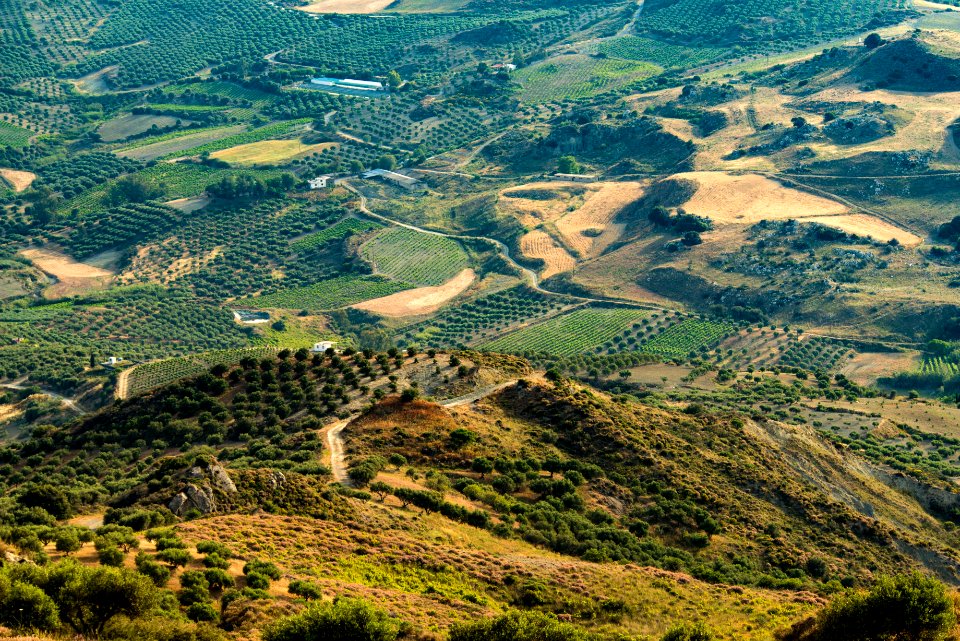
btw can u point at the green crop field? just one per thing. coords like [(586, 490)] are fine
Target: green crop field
[(690, 335), (414, 257), (484, 318), (334, 232), (148, 376), (570, 77), (14, 136), (579, 331), (330, 294), (664, 54)]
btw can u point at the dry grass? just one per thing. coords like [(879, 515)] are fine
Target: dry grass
[(432, 572), (536, 203), (865, 367), (268, 152), (17, 179), (747, 199), (865, 225), (539, 245), (422, 300), (346, 6), (72, 277), (590, 229)]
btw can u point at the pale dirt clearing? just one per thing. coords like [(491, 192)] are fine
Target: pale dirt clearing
[(189, 205), (422, 300), (269, 152), (72, 277), (590, 229), (731, 199), (19, 180), (865, 225), (539, 245), (346, 6), (865, 368)]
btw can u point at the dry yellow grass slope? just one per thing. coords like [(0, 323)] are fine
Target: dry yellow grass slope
[(590, 229), (268, 152)]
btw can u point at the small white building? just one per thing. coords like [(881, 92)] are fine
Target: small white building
[(320, 182), (348, 84), (575, 178), (504, 66), (322, 347), (113, 361)]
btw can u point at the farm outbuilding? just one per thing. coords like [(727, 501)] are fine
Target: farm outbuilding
[(407, 182), (348, 85)]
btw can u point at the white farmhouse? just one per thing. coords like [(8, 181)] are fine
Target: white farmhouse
[(322, 347), (113, 361), (320, 182)]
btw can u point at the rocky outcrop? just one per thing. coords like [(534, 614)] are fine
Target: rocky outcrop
[(201, 493)]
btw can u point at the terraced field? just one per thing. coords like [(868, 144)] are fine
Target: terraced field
[(412, 257), (570, 77)]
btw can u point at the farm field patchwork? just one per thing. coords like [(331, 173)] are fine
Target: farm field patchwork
[(419, 301), (147, 376), (340, 230), (330, 294)]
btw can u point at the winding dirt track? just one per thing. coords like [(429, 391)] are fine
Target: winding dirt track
[(338, 463)]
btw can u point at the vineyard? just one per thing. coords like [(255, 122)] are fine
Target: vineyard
[(582, 330), (149, 376), (14, 136), (414, 257), (688, 338), (330, 294), (483, 318), (340, 230), (664, 54), (571, 77), (939, 365)]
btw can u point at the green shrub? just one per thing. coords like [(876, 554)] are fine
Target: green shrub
[(902, 608), (346, 619), (520, 626)]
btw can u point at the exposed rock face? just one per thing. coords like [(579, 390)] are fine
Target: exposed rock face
[(8, 557), (277, 480), (201, 495)]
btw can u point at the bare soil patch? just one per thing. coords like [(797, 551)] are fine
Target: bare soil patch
[(539, 244), (73, 277), (346, 6), (421, 300), (19, 180)]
